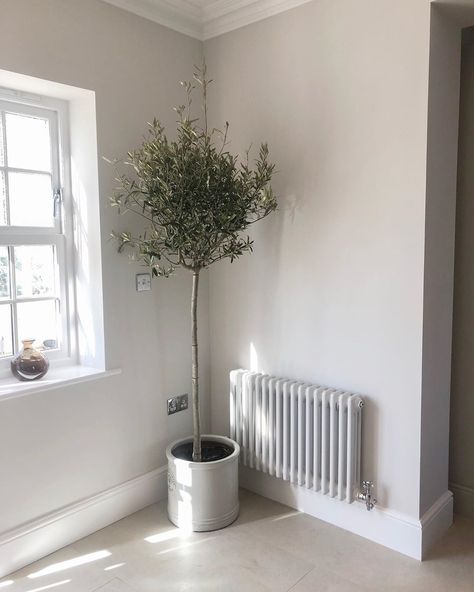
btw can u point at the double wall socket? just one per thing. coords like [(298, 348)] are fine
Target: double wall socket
[(179, 403)]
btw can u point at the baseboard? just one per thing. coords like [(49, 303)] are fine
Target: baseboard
[(40, 537), (463, 499), (48, 533), (390, 529), (436, 521)]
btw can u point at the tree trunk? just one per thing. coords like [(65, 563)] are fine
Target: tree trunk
[(195, 371)]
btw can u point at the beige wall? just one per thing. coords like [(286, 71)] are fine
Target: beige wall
[(61, 446), (462, 398), (334, 291)]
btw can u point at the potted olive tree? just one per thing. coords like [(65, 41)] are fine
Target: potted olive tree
[(197, 200)]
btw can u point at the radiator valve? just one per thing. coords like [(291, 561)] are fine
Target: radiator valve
[(366, 495)]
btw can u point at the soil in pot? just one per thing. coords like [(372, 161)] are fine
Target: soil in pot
[(210, 451)]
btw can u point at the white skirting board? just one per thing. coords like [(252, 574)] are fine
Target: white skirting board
[(51, 532), (395, 531)]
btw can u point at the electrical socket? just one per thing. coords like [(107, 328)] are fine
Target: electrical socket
[(176, 404)]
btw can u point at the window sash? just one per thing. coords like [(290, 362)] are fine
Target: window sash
[(61, 297), (55, 172), (59, 235)]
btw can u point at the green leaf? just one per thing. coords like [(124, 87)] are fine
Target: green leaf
[(195, 198)]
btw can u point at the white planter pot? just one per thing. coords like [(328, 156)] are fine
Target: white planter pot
[(203, 496)]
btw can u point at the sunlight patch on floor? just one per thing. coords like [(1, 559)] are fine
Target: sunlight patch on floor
[(286, 516), (49, 586), (69, 563), (184, 546), (115, 566), (168, 535)]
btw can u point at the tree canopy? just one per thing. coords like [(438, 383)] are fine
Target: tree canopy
[(196, 197)]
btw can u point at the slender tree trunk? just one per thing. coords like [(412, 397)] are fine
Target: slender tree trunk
[(195, 371)]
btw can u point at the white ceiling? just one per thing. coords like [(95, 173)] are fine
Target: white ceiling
[(204, 19)]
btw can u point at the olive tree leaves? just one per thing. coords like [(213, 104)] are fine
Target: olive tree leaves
[(195, 197)]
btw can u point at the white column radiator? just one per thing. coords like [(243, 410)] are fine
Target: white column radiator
[(306, 434)]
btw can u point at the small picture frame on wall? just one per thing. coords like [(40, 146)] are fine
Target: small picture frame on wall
[(143, 282)]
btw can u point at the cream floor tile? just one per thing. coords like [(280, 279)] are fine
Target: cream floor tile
[(23, 582), (269, 548), (319, 580), (205, 562), (115, 585), (359, 560)]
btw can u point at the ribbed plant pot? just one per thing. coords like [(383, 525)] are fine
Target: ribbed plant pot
[(203, 496)]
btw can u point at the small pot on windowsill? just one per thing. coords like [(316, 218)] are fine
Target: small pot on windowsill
[(30, 363), (203, 496)]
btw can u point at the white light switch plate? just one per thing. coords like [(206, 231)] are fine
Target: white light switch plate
[(143, 282)]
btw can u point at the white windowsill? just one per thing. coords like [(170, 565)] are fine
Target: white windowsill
[(11, 388)]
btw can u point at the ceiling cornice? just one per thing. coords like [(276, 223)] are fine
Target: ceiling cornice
[(178, 15), (223, 16), (210, 19)]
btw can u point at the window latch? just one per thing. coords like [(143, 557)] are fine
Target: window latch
[(57, 201)]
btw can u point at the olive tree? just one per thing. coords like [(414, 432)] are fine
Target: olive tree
[(197, 200)]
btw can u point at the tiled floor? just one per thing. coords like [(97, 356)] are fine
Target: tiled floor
[(269, 548)]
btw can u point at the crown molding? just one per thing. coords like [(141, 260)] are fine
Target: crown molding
[(223, 16), (210, 19), (180, 15)]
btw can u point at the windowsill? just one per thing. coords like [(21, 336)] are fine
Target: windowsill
[(11, 388)]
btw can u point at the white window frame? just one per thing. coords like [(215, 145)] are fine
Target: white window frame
[(60, 235)]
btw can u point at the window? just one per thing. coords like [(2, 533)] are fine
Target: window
[(33, 229), (50, 239)]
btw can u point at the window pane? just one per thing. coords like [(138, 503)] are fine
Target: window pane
[(6, 344), (39, 321), (35, 271), (4, 273), (3, 200), (31, 199), (28, 142)]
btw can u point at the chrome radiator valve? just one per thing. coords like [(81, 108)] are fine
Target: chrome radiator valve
[(366, 495)]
